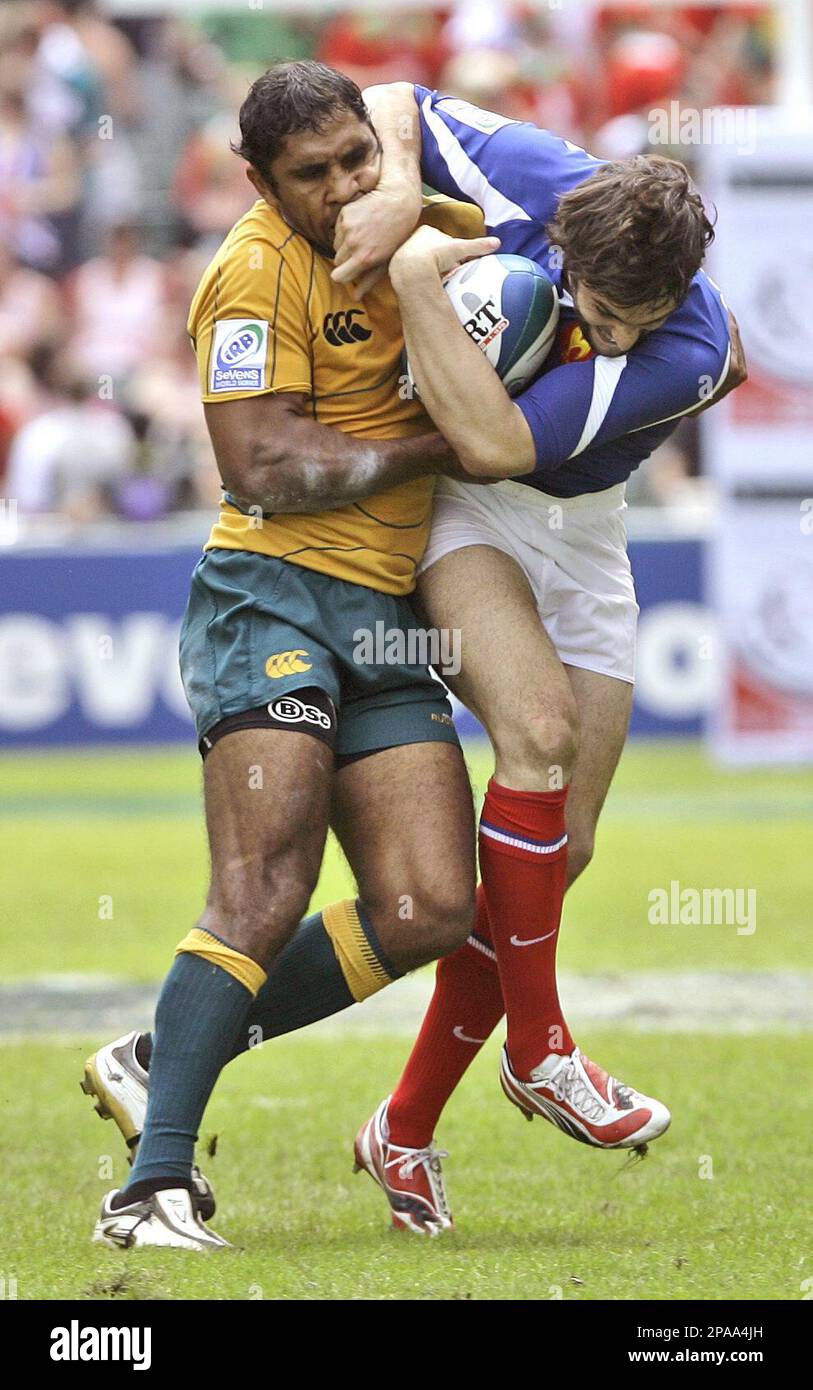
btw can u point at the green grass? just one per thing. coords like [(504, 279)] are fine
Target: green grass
[(536, 1213), (128, 825)]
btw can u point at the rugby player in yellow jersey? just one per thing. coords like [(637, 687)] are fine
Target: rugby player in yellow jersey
[(328, 475)]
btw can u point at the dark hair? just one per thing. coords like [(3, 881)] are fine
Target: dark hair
[(636, 231), (287, 99)]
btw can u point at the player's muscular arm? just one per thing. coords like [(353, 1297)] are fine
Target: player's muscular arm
[(271, 454), (458, 386), (370, 229)]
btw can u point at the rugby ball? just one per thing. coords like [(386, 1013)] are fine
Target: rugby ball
[(510, 309)]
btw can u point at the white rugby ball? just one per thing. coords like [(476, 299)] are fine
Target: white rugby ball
[(510, 309)]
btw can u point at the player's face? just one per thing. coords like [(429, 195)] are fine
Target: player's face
[(317, 173), (611, 329)]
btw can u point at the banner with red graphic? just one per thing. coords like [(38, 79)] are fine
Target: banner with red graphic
[(758, 444), (762, 581)]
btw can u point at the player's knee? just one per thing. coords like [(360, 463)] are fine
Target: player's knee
[(555, 737), (541, 747), (258, 908), (429, 924), (450, 920)]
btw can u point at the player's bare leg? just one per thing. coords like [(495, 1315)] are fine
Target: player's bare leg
[(267, 797), (513, 679), (503, 645), (267, 801), (604, 707), (405, 820)]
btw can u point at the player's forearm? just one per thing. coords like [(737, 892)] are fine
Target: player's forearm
[(317, 467), (395, 117), (459, 387)]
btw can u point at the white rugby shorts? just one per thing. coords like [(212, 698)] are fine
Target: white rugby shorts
[(573, 552)]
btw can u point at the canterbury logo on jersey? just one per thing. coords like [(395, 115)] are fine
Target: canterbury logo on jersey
[(341, 328), (286, 664)]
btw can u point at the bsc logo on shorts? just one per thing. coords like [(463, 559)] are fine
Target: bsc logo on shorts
[(293, 711), (286, 664)]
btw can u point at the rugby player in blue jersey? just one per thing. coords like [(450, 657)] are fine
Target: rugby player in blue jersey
[(534, 570)]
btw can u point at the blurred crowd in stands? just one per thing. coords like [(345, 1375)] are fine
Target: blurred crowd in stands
[(117, 183)]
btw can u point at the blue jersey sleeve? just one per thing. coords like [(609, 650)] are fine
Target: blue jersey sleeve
[(512, 170), (583, 405)]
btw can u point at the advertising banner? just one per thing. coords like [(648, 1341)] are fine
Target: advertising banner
[(88, 644), (758, 443)]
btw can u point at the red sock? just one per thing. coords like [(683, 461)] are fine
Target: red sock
[(523, 862), (467, 1001)]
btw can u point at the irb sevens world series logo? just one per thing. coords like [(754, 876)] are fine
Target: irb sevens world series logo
[(239, 353)]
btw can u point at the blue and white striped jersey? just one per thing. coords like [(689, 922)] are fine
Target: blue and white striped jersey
[(594, 419)]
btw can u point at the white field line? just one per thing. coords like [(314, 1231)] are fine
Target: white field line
[(703, 1001)]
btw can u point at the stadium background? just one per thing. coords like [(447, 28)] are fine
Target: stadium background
[(116, 184)]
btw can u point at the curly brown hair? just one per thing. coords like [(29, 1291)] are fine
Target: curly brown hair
[(635, 232)]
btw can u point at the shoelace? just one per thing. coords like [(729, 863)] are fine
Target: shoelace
[(410, 1159), (569, 1086)]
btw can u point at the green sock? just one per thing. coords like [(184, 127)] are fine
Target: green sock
[(198, 1013), (333, 960)]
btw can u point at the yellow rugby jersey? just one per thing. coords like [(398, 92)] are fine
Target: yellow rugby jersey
[(267, 317)]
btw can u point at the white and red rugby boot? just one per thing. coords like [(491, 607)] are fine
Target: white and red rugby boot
[(411, 1178), (582, 1099)]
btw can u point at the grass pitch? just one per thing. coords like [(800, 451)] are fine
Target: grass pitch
[(716, 1211)]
